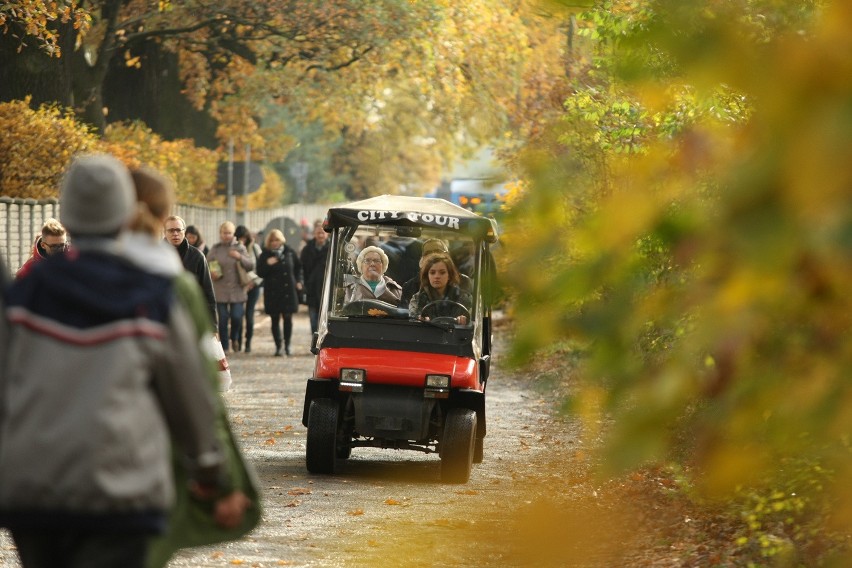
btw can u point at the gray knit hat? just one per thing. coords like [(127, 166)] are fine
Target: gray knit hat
[(97, 196)]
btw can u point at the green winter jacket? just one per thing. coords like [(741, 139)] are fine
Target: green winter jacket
[(190, 520)]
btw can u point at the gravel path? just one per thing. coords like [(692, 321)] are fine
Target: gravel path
[(384, 507)]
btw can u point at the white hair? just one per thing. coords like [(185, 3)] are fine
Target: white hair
[(360, 260)]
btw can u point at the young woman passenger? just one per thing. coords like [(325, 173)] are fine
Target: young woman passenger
[(439, 280)]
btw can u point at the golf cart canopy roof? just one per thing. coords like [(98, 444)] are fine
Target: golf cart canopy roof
[(404, 211)]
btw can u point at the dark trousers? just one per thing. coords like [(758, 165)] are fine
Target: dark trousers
[(233, 314), (313, 316), (251, 302), (276, 328), (78, 549)]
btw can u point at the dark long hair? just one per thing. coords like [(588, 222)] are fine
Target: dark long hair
[(430, 260), (242, 232), (193, 230)]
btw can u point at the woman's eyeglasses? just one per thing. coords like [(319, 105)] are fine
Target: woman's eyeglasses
[(373, 260), (55, 248)]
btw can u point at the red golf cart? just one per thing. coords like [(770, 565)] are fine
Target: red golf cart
[(387, 378)]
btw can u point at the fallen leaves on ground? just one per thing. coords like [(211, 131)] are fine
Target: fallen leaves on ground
[(450, 523)]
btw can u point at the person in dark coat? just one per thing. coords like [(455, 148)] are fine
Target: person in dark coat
[(193, 237), (281, 270), (193, 260), (314, 256), (403, 258)]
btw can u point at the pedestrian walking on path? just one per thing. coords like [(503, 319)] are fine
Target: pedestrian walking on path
[(101, 370), (281, 270)]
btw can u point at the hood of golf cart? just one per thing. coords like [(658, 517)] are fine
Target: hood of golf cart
[(383, 366)]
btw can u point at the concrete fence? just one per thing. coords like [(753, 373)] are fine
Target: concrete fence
[(21, 221)]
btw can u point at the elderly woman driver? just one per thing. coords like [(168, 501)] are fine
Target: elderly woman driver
[(372, 262)]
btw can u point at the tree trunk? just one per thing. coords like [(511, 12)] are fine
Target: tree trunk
[(67, 80), (32, 72)]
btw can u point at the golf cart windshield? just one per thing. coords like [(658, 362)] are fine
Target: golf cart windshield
[(402, 293), (402, 312)]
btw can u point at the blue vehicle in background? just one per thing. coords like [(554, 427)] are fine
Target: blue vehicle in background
[(474, 194)]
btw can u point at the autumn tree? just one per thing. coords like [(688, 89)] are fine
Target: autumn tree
[(433, 79), (692, 207), (429, 98), (216, 44)]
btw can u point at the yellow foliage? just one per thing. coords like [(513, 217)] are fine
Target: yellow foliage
[(269, 195), (193, 169), (36, 146)]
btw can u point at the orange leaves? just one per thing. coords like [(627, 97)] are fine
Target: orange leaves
[(134, 62), (219, 555), (297, 492), (195, 74), (37, 17)]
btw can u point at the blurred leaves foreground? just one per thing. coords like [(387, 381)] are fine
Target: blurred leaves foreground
[(686, 233)]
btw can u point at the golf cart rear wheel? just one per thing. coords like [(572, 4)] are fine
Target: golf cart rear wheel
[(457, 445), (321, 446)]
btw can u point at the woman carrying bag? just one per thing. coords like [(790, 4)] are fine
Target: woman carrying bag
[(230, 294)]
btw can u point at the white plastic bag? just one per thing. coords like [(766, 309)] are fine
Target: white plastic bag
[(216, 351)]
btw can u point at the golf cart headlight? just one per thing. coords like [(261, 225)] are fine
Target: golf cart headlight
[(352, 380), (352, 375), (438, 381), (437, 386)]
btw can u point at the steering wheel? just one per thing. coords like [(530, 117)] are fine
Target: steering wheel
[(444, 306)]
